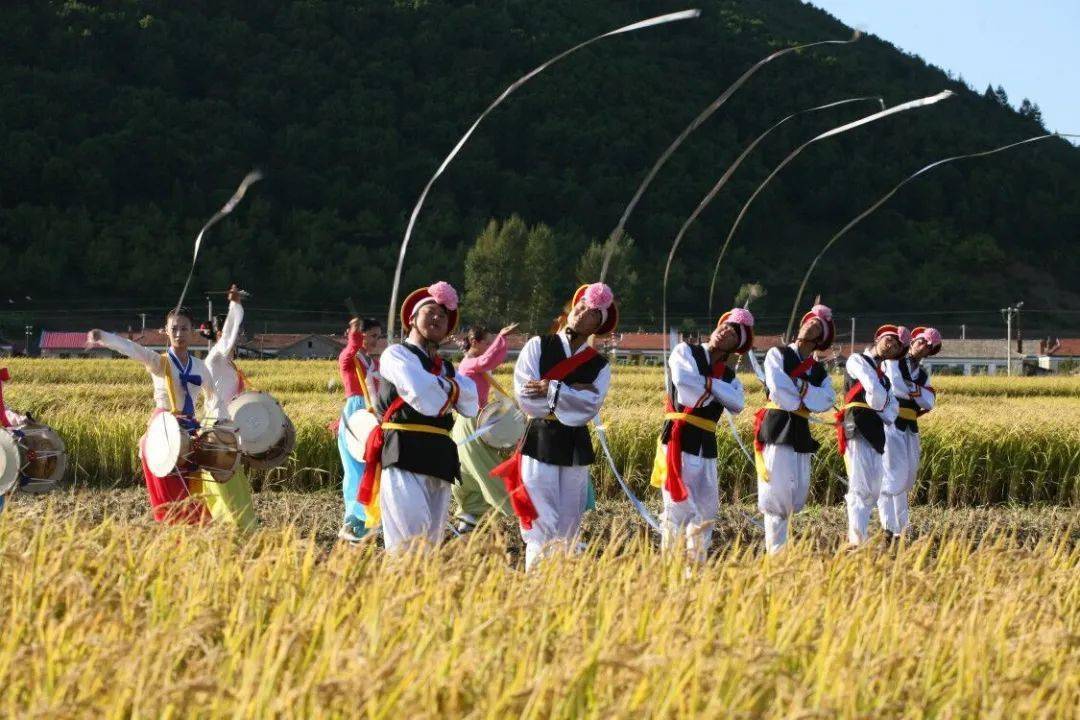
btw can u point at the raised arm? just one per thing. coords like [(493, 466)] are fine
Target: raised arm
[(347, 361), (230, 332), (487, 360), (101, 339)]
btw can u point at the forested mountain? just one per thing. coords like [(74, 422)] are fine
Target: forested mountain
[(126, 123)]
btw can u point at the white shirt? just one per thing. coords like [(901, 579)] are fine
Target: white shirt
[(792, 395), (223, 374), (861, 367), (424, 392), (570, 406), (923, 395), (692, 389), (152, 362)]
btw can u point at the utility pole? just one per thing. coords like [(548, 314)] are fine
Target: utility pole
[(210, 309), (1008, 313), (852, 352), (963, 332), (142, 317), (26, 345)]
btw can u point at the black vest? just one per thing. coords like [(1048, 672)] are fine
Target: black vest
[(862, 422), (696, 441), (780, 427), (550, 441), (418, 452), (918, 379)]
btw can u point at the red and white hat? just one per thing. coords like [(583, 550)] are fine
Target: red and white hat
[(930, 335), (823, 315), (744, 322), (890, 330), (598, 296), (441, 293)]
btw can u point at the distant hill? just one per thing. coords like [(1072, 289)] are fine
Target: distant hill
[(126, 123)]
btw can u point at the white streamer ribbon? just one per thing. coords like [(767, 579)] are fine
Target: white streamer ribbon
[(651, 22), (250, 179)]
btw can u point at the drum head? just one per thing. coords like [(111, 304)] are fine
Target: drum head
[(11, 460), (277, 455), (509, 424), (217, 452), (259, 420), (166, 444), (357, 427), (46, 458)]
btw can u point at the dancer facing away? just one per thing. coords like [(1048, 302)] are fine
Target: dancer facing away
[(478, 492), (868, 407), (229, 501), (701, 386), (903, 447), (796, 385), (410, 458), (561, 382), (359, 368)]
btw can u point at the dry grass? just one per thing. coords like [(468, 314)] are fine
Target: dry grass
[(107, 615)]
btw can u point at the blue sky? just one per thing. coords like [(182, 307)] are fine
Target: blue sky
[(1031, 47)]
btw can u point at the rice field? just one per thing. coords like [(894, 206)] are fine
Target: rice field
[(990, 440), (105, 614)]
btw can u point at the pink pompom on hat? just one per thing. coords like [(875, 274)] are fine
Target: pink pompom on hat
[(823, 315), (904, 334), (598, 296), (930, 335), (441, 293), (744, 321)]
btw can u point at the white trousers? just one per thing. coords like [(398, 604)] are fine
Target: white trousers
[(865, 469), (691, 521), (784, 494), (901, 464), (414, 509), (559, 494)]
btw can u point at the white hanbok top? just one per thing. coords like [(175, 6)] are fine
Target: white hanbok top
[(223, 373), (571, 406), (152, 361)]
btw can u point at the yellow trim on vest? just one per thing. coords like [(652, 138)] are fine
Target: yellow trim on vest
[(801, 412), (862, 405), (412, 427), (698, 422), (909, 414)]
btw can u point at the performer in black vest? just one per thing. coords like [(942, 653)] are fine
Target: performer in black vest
[(410, 458), (911, 386), (561, 382), (796, 385), (868, 407), (701, 386)]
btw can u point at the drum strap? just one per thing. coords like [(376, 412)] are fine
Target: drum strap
[(167, 372), (361, 375), (499, 388)]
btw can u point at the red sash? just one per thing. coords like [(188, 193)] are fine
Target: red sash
[(673, 482), (510, 470), (4, 377), (375, 440)]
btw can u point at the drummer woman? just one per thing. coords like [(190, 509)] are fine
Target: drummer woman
[(229, 502), (178, 378), (359, 376), (478, 491)]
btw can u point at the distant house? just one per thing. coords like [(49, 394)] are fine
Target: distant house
[(975, 357), (296, 346), (1058, 353)]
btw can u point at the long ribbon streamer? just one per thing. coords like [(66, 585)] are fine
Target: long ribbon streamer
[(884, 198), (910, 105), (651, 22), (723, 249), (617, 233), (712, 194), (250, 179), (643, 511)]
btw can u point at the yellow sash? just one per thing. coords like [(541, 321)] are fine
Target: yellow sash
[(166, 370), (698, 422), (909, 414), (862, 405), (413, 427)]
